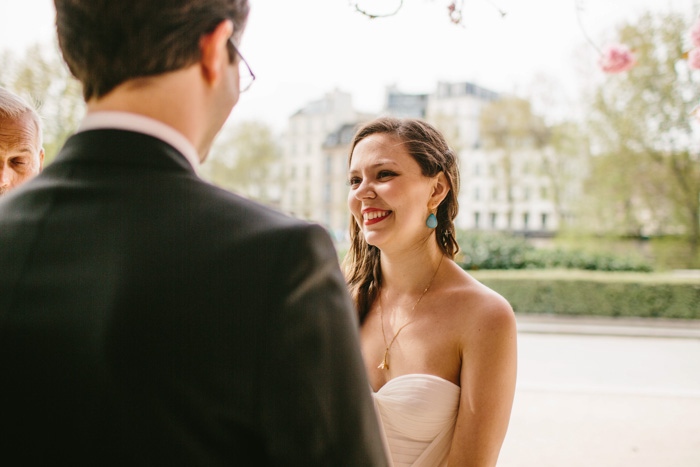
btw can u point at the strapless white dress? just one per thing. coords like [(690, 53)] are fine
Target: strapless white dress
[(417, 414)]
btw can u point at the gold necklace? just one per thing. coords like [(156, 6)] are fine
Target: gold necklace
[(384, 365)]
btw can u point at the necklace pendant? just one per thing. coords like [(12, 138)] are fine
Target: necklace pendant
[(385, 364)]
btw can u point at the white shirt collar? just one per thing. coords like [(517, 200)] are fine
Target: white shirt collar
[(141, 124)]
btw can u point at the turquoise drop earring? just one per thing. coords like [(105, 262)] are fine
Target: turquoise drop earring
[(431, 221)]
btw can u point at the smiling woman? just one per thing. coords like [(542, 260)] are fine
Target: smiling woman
[(439, 347), (380, 174)]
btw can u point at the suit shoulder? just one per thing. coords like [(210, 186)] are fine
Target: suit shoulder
[(245, 214), (226, 204)]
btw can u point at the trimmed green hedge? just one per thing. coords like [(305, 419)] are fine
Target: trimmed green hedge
[(597, 293), (498, 250)]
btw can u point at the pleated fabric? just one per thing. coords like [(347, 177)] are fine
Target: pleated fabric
[(418, 414)]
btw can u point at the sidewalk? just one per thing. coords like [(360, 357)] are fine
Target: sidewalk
[(605, 392), (607, 326)]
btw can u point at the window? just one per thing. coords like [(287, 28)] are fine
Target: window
[(476, 220), (329, 164), (544, 221), (526, 220), (494, 219)]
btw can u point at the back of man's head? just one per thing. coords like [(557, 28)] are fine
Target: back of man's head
[(108, 42)]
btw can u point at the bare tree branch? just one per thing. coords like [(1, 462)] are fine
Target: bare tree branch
[(372, 16)]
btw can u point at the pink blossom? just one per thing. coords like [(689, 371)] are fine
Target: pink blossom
[(695, 34), (694, 59), (617, 58), (454, 12), (696, 113)]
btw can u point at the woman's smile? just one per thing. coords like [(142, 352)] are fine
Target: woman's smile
[(373, 216)]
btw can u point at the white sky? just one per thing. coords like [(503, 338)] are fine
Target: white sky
[(301, 49)]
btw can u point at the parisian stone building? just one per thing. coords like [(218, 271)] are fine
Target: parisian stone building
[(516, 191)]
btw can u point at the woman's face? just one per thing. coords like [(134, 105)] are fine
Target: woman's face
[(389, 196)]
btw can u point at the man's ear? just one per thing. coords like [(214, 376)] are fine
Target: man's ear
[(41, 159), (214, 53), (440, 190)]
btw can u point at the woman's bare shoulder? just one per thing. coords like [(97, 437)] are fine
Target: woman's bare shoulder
[(478, 308)]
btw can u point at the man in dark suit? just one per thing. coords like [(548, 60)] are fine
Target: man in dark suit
[(146, 316)]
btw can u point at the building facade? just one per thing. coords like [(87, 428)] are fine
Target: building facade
[(303, 158), (515, 191), (334, 206)]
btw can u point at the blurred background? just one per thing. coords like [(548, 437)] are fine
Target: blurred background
[(595, 170), (580, 186)]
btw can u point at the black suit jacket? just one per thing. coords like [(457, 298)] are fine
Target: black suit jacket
[(150, 318)]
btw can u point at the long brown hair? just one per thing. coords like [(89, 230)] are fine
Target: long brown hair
[(429, 149)]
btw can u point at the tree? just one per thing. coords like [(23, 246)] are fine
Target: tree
[(646, 173), (509, 128), (41, 77), (554, 156), (246, 160), (455, 9), (565, 163)]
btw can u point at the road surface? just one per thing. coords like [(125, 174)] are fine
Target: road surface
[(608, 396)]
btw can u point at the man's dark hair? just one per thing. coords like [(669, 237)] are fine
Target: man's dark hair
[(108, 42)]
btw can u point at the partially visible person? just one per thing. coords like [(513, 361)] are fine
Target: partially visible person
[(21, 151), (439, 346), (148, 317)]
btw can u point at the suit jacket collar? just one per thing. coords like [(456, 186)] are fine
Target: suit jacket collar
[(122, 148), (119, 120)]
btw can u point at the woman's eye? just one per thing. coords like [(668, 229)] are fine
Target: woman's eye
[(354, 181), (385, 174)]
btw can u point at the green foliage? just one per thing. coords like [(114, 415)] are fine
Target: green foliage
[(530, 153), (510, 123), (645, 178), (480, 250), (41, 77), (246, 160), (671, 252), (597, 294), (493, 251)]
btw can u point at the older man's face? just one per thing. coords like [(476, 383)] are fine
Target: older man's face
[(21, 155)]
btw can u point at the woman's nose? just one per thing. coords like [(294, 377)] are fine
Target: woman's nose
[(365, 191)]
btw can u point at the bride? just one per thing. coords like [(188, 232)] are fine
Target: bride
[(439, 347)]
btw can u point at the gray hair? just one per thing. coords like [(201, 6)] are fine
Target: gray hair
[(13, 107)]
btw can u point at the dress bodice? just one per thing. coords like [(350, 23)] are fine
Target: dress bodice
[(418, 414)]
